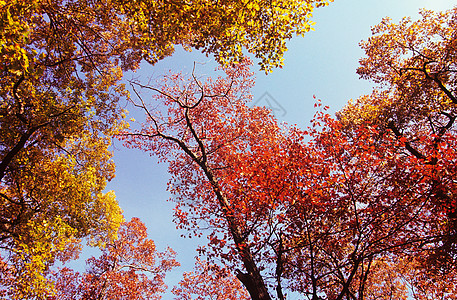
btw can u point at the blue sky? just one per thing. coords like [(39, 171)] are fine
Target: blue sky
[(322, 63)]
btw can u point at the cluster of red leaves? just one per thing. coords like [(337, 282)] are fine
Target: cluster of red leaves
[(313, 209), (129, 268)]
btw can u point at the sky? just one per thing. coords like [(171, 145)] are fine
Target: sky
[(323, 63)]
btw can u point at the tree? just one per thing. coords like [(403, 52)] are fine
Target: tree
[(60, 68), (319, 217), (129, 268), (175, 131), (414, 65)]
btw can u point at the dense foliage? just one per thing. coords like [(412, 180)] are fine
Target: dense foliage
[(61, 63), (361, 206)]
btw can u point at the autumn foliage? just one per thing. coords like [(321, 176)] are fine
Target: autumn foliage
[(128, 268), (209, 280), (61, 65), (414, 65), (356, 207)]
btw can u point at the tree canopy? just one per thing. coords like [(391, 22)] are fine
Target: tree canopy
[(356, 207), (61, 63)]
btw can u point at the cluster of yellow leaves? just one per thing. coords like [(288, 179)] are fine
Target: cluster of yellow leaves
[(55, 160), (14, 36), (58, 104), (223, 27), (129, 268), (58, 201)]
